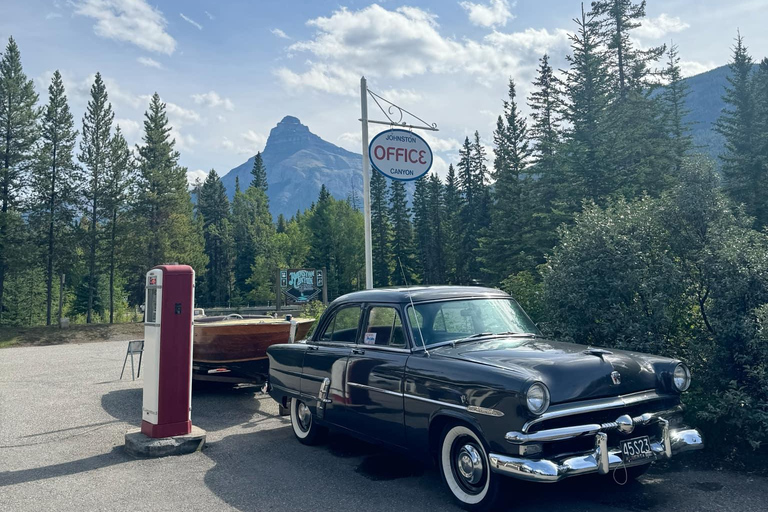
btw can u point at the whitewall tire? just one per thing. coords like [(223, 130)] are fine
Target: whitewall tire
[(464, 464), (303, 422)]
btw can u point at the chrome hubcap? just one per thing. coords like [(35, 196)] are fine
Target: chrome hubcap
[(470, 464), (305, 417)]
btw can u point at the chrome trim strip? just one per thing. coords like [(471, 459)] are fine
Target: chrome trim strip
[(371, 388), (436, 402), (601, 404), (383, 348), (558, 434), (485, 411)]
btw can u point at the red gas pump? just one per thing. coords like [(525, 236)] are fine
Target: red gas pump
[(170, 291)]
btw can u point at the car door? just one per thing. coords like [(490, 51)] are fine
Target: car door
[(375, 373), (326, 358)]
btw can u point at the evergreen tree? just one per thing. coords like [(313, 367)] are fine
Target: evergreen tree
[(166, 230), (381, 231), (259, 173), (94, 155), (56, 182), (282, 225), (615, 19), (742, 172), (402, 235), (587, 94), (18, 123), (436, 212), (422, 232), (673, 97), (452, 223), (547, 163), (510, 207), (213, 206), (761, 118), (119, 176)]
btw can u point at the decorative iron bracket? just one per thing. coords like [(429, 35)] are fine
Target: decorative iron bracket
[(391, 110)]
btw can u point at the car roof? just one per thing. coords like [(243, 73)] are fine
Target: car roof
[(406, 294)]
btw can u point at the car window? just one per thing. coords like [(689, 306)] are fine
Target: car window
[(384, 328), (343, 326), (457, 319)]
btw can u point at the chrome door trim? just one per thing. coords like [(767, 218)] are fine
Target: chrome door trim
[(436, 402), (371, 388), (600, 404)]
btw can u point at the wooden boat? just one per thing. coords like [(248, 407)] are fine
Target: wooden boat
[(234, 348)]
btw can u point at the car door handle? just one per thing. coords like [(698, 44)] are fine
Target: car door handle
[(312, 347), (358, 351)]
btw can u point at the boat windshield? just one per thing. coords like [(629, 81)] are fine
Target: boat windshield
[(468, 319)]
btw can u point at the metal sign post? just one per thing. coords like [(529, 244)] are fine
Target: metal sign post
[(392, 123)]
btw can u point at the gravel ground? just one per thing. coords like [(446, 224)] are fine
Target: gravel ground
[(63, 415)]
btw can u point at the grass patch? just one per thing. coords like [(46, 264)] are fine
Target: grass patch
[(52, 335)]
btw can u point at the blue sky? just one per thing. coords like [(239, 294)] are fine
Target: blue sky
[(230, 71)]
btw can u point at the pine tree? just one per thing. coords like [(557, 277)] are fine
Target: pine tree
[(259, 173), (436, 217), (118, 179), (421, 229), (56, 182), (547, 162), (587, 93), (213, 206), (165, 225), (18, 123), (510, 207), (452, 223), (742, 173), (402, 235), (381, 231), (673, 97), (94, 155), (615, 19), (761, 118)]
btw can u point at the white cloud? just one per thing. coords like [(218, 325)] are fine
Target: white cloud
[(226, 144), (212, 99), (349, 44), (210, 16), (253, 142), (191, 21), (132, 21), (659, 27), (52, 15), (150, 63), (279, 33), (691, 67), (193, 176), (439, 167), (131, 130), (494, 14)]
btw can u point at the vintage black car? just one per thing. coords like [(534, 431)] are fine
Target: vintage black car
[(462, 376)]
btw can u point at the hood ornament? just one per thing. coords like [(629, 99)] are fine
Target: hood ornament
[(615, 378)]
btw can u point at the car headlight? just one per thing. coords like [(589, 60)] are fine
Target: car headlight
[(537, 398), (681, 378)]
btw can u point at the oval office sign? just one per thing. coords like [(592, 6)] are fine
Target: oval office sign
[(400, 155)]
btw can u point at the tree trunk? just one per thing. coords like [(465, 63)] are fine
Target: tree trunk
[(112, 267), (92, 259)]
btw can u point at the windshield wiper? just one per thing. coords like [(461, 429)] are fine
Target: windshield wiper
[(519, 334), (471, 336)]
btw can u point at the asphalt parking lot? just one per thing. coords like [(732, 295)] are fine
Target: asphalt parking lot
[(63, 415)]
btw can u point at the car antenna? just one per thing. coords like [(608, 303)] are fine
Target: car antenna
[(418, 325)]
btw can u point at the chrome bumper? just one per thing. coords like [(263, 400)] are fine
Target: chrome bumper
[(601, 460)]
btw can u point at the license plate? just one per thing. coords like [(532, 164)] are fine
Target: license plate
[(636, 448)]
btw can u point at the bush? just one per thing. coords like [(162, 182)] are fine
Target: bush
[(683, 276)]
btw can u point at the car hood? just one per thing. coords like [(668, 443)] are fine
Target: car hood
[(570, 371)]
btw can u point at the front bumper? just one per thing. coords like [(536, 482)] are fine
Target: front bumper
[(602, 459)]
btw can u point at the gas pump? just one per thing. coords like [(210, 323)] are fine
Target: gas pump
[(168, 331)]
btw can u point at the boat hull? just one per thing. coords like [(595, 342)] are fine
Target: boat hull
[(236, 350)]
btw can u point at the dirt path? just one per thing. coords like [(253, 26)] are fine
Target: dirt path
[(35, 336)]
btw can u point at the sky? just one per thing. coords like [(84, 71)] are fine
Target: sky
[(230, 70)]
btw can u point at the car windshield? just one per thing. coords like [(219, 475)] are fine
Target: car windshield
[(457, 320)]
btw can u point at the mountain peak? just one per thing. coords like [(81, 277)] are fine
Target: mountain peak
[(290, 120)]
